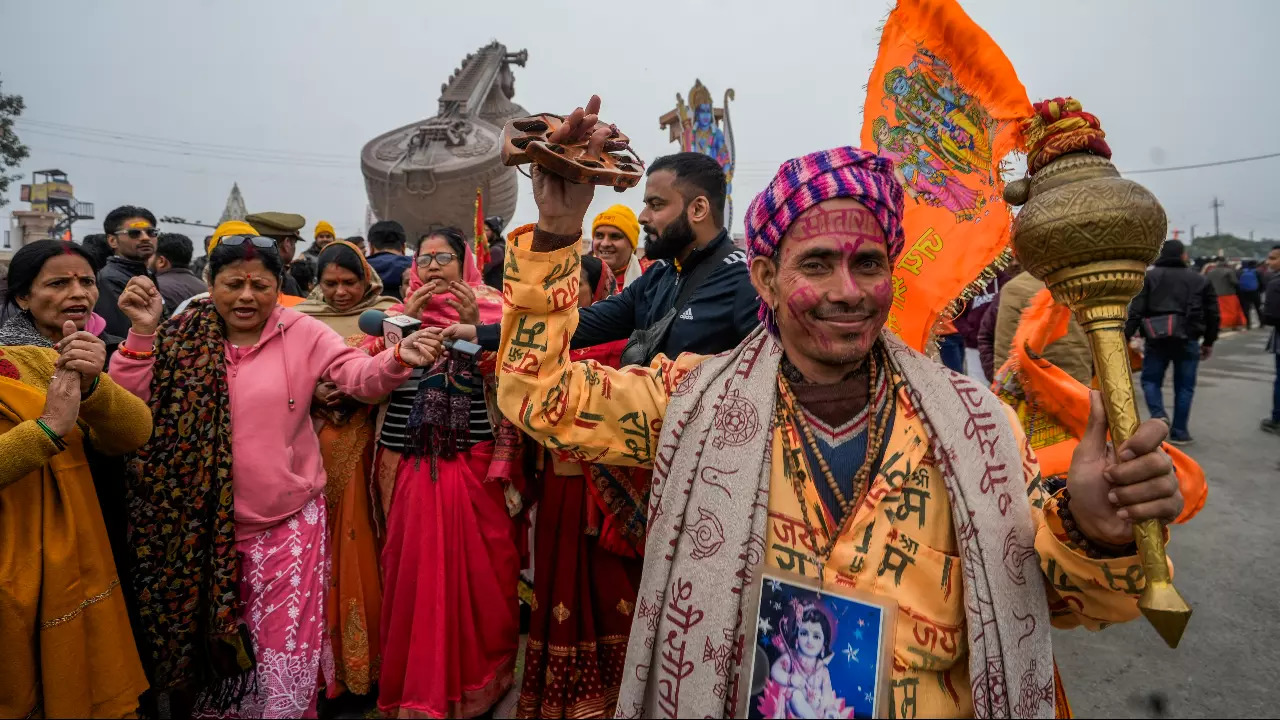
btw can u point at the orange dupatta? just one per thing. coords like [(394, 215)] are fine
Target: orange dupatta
[(1048, 389)]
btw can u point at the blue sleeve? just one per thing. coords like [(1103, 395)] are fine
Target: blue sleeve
[(613, 318)]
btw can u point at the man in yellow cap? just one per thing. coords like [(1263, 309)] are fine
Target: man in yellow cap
[(615, 233), (324, 235), (283, 228)]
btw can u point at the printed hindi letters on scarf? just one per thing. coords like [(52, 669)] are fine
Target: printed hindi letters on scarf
[(942, 102)]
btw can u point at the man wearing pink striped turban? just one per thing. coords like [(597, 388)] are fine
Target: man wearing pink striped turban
[(825, 458)]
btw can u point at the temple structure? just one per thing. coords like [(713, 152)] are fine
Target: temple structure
[(424, 175)]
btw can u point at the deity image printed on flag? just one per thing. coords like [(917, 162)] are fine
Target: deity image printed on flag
[(818, 654), (943, 103)]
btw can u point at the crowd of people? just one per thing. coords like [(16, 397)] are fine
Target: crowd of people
[(224, 496)]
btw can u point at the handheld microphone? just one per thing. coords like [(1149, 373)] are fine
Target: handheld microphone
[(394, 328)]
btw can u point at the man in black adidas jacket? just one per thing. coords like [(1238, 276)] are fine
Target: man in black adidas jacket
[(683, 220)]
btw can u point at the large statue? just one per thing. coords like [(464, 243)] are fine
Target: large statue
[(424, 175), (695, 127)]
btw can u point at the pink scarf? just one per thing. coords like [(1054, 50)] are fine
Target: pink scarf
[(438, 313)]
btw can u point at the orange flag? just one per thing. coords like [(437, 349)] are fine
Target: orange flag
[(943, 103)]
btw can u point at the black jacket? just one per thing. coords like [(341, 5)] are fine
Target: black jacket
[(1271, 306), (179, 284), (719, 314), (492, 271), (1172, 288), (111, 281)]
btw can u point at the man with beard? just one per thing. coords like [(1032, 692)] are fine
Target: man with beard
[(697, 297), (131, 233), (825, 447)]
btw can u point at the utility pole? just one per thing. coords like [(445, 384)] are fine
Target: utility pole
[(1217, 232), (1193, 233)]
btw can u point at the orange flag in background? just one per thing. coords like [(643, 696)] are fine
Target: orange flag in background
[(943, 103), (481, 239)]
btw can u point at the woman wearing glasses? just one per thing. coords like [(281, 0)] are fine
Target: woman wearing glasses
[(226, 506), (449, 464)]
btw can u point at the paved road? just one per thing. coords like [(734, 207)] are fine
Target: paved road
[(1226, 567)]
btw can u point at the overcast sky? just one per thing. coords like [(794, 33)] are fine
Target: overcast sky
[(1175, 82)]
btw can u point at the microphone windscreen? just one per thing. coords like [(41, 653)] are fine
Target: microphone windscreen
[(371, 322)]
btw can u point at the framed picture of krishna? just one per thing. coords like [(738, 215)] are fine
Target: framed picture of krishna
[(820, 653)]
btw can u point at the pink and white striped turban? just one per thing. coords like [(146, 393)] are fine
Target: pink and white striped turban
[(803, 182)]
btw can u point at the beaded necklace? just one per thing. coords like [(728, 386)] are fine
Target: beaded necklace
[(787, 414)]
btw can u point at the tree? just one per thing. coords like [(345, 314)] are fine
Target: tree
[(1230, 246), (12, 151)]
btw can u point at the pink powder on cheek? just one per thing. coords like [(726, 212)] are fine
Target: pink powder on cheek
[(799, 304), (883, 292), (803, 300)]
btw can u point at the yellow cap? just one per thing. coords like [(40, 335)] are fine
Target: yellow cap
[(230, 227), (621, 217), (324, 227)]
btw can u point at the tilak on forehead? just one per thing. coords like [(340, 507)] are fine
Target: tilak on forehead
[(817, 221), (803, 182)]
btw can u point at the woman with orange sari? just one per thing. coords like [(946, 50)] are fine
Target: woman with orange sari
[(452, 468), (346, 428)]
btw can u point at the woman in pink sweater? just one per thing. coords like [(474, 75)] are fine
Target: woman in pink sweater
[(226, 511)]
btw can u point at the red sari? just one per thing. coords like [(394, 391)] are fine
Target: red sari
[(584, 591), (450, 619), (450, 616)]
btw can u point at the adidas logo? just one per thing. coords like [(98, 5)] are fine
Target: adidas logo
[(687, 314)]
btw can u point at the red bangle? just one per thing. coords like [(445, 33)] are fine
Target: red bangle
[(400, 360), (135, 354)]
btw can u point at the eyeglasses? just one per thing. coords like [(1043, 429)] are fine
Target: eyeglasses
[(440, 258), (257, 240), (135, 233)]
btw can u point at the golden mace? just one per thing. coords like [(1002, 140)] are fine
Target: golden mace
[(1089, 234)]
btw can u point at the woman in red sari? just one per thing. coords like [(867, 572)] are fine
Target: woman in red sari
[(586, 569), (450, 620)]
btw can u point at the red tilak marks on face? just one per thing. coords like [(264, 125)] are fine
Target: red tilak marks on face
[(247, 277), (800, 304), (883, 292), (803, 300), (819, 222)]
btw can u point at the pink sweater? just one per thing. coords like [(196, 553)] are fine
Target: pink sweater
[(275, 455)]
